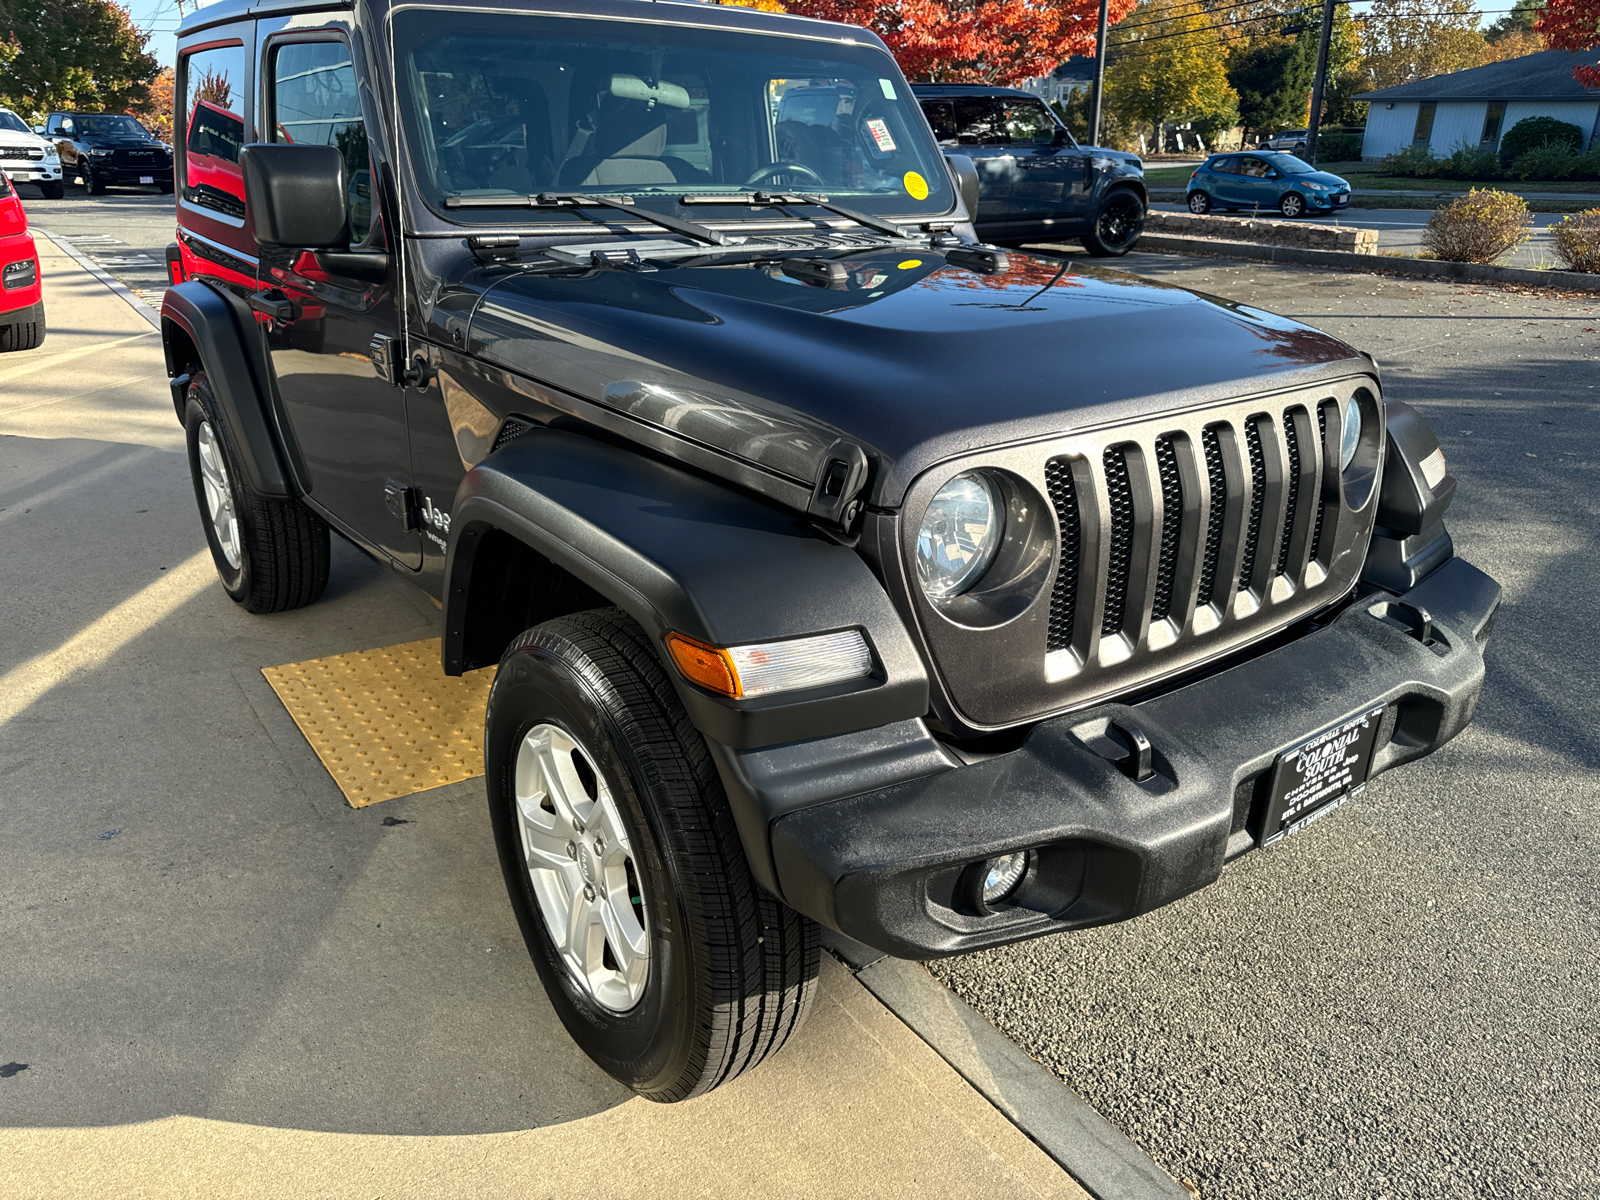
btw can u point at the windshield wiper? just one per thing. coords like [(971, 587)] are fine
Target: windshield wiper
[(782, 199), (583, 200)]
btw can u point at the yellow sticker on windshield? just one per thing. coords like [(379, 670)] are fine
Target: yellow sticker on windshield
[(916, 185), (909, 263)]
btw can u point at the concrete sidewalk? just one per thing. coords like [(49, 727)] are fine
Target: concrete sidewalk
[(220, 979)]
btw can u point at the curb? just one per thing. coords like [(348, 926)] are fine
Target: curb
[(132, 301), (1422, 268), (1087, 1146)]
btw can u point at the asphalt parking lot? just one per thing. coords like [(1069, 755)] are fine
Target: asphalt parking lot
[(1398, 1002), (1401, 1000)]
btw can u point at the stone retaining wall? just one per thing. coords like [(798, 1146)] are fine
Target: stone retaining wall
[(1302, 234)]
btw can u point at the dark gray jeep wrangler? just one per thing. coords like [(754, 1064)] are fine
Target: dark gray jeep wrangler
[(839, 571)]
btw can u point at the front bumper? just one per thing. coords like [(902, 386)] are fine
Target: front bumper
[(19, 289), (32, 171), (888, 867)]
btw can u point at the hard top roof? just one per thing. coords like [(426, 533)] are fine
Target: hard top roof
[(684, 12)]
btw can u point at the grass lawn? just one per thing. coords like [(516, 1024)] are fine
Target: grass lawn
[(1365, 177)]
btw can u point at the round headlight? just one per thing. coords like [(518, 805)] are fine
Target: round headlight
[(1352, 433), (959, 536)]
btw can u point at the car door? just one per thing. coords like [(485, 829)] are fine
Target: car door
[(976, 126), (349, 425), (59, 129), (1256, 186), (1050, 192), (1228, 185)]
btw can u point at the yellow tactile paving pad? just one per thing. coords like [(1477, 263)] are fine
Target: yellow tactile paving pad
[(389, 722)]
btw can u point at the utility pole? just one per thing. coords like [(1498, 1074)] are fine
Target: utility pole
[(1319, 81), (1096, 104)]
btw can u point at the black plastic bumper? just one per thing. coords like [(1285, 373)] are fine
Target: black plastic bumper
[(891, 867)]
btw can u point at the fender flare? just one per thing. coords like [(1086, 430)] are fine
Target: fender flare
[(210, 320), (678, 552)]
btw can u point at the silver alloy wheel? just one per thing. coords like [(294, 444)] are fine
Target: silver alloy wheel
[(1292, 205), (581, 867), (219, 496)]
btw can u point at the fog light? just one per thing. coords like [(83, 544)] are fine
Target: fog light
[(1002, 874)]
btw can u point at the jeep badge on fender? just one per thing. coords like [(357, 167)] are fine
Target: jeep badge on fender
[(839, 570)]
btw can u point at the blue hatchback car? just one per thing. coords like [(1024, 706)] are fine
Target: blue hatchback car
[(1263, 180)]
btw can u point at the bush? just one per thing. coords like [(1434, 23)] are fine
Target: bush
[(1536, 131), (1550, 160), (1338, 147), (1577, 240), (1414, 162), (1478, 228), (1471, 162), (1587, 166)]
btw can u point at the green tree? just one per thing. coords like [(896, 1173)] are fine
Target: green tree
[(1273, 79), (1167, 65), (1417, 39), (1520, 19), (77, 54)]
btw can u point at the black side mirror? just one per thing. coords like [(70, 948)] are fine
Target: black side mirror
[(965, 177), (1062, 137), (295, 195)]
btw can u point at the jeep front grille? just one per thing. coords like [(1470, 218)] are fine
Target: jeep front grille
[(1178, 540)]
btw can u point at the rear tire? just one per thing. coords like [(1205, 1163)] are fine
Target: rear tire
[(22, 329), (691, 974), (1116, 226), (1199, 203), (271, 555)]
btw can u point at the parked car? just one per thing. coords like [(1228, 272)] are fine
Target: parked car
[(21, 303), (839, 571), (1265, 181), (1292, 140), (101, 150), (29, 158), (1034, 180)]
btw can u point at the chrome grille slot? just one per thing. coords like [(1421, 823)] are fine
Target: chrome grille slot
[(1177, 539)]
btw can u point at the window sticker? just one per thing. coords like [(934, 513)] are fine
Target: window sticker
[(880, 135), (888, 88), (916, 185)]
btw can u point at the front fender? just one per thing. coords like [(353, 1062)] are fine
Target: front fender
[(678, 552)]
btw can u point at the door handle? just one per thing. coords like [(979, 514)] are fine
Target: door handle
[(273, 303)]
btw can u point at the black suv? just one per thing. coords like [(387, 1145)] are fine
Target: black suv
[(839, 570), (1034, 181), (102, 150)]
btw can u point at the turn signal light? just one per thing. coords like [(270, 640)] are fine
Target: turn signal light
[(766, 667)]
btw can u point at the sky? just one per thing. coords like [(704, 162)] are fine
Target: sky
[(160, 17)]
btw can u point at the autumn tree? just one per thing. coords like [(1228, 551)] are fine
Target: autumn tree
[(1406, 40), (74, 54), (156, 112), (1521, 19), (1167, 65), (1573, 25), (973, 41)]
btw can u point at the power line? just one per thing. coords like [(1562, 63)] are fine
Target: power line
[(1157, 37)]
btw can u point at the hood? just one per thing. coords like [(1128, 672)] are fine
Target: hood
[(11, 137), (1325, 178), (911, 358), (1133, 160)]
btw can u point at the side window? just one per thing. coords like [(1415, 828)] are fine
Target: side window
[(215, 82), (1029, 124), (314, 101), (980, 121), (1253, 167), (941, 115)]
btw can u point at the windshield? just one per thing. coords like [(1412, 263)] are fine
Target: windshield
[(109, 126), (10, 121), (513, 106), (1290, 165)]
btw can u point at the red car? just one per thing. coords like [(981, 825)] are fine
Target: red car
[(21, 305)]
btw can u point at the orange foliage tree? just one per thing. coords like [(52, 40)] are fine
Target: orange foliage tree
[(1573, 25), (973, 41)]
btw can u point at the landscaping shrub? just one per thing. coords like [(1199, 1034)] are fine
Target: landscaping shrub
[(1587, 166), (1577, 240), (1536, 131), (1338, 147), (1478, 228), (1471, 162), (1414, 162), (1549, 160)]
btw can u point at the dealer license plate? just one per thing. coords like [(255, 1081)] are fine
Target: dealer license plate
[(147, 179), (1319, 775)]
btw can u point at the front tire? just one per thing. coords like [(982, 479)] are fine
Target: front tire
[(1292, 205), (666, 962), (92, 183), (1199, 203), (271, 555), (1116, 226)]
